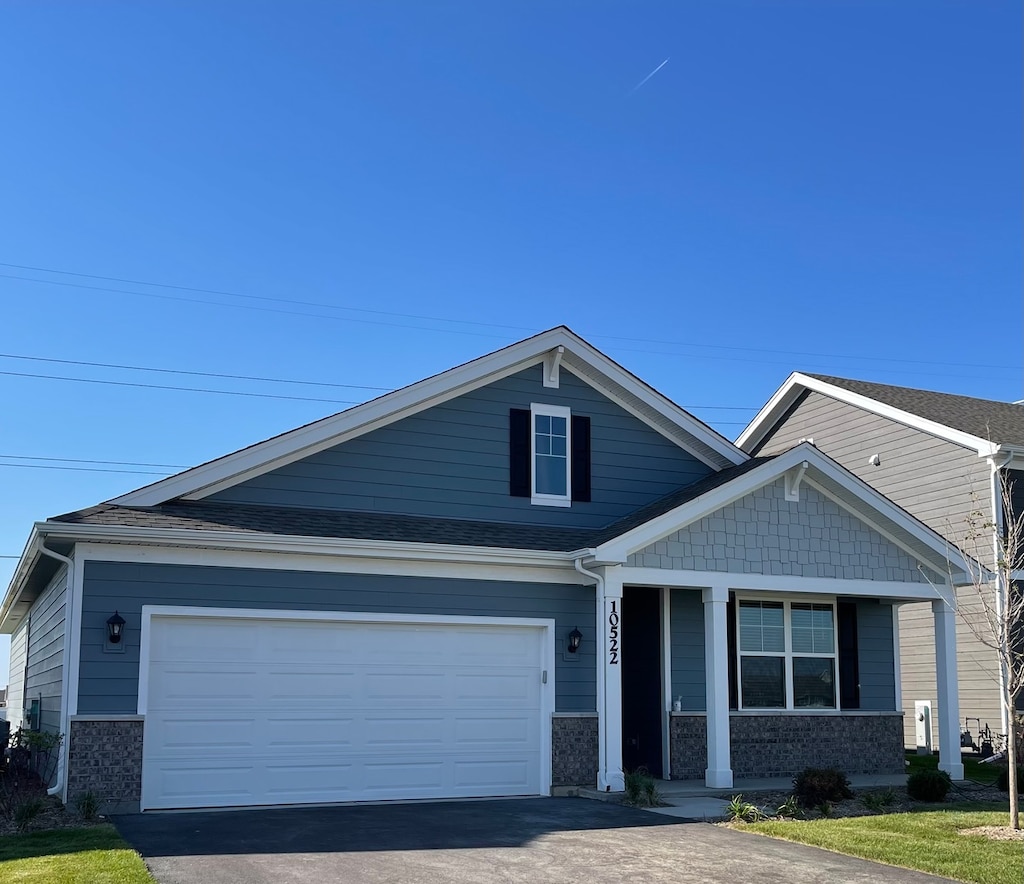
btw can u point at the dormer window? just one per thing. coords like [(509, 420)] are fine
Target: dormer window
[(550, 455)]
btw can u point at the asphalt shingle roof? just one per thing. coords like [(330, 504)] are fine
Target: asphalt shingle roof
[(203, 515), (998, 422)]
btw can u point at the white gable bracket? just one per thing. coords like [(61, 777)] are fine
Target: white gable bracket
[(552, 362), (793, 479)]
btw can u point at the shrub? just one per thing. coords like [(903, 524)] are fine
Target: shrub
[(789, 808), (816, 786), (879, 801), (26, 811), (740, 811), (1003, 780), (928, 785), (641, 789), (87, 805)]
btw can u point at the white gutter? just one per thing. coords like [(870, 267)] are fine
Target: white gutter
[(998, 520), (69, 612), (602, 681)]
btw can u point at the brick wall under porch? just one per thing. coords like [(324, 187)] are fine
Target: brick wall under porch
[(105, 758), (767, 745), (574, 750)]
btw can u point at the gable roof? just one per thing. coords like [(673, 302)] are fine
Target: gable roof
[(981, 424), (557, 346)]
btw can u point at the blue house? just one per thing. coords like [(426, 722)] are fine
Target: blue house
[(528, 573)]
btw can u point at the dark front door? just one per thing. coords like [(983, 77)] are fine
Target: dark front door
[(641, 679)]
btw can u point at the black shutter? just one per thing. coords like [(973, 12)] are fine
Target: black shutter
[(519, 452), (849, 665), (581, 458), (730, 631)]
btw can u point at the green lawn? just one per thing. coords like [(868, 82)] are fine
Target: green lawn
[(973, 769), (928, 841), (96, 855)]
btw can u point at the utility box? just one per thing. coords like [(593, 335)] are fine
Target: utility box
[(923, 726)]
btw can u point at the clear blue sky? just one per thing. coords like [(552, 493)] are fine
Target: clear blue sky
[(832, 187)]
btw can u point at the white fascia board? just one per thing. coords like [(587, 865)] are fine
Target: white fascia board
[(282, 543), (224, 472), (780, 583), (796, 383), (21, 571), (620, 548)]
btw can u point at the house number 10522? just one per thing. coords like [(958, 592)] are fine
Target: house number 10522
[(613, 634)]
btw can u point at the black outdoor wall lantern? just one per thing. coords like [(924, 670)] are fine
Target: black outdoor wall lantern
[(115, 626), (575, 638)]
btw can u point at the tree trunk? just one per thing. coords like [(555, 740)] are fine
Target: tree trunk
[(1011, 761)]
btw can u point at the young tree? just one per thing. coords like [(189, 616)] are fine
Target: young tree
[(994, 609)]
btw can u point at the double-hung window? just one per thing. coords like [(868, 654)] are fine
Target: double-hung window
[(550, 447), (787, 654)]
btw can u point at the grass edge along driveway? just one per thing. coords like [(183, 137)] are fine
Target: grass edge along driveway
[(928, 841), (90, 855)]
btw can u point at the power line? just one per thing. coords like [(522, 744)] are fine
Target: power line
[(202, 374), (43, 466), (120, 463), (53, 377), (421, 317)]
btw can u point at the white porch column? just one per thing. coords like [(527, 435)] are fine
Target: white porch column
[(718, 774), (609, 681), (948, 692)]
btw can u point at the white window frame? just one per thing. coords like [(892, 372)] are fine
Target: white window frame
[(788, 654), (536, 409)]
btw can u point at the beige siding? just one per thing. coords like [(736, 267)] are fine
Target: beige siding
[(935, 480)]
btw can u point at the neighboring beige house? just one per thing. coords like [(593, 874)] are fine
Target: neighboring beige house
[(937, 455)]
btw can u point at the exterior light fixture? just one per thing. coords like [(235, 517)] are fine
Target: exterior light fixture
[(575, 638), (115, 626)]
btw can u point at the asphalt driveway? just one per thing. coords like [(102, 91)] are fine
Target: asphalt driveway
[(475, 842)]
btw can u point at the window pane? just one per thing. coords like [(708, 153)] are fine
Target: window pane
[(761, 627), (558, 445), (558, 426), (551, 475), (543, 423), (814, 683), (761, 682), (813, 631), (543, 444)]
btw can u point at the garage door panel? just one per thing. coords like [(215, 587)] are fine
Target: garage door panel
[(340, 711), (503, 776), (309, 732), (405, 732), (185, 686), (399, 687)]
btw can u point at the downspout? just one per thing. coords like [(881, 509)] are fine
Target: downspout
[(998, 519), (602, 689), (69, 600)]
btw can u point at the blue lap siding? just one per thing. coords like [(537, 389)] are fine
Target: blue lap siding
[(452, 461), (109, 682)]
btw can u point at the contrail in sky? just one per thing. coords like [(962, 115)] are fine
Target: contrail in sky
[(651, 74)]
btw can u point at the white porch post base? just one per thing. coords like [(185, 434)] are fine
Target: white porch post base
[(718, 774), (718, 779), (610, 776), (950, 759)]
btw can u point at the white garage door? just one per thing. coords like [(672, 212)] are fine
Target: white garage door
[(247, 711)]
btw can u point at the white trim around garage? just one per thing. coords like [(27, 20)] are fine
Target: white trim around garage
[(546, 625)]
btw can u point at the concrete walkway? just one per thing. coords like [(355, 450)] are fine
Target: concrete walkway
[(692, 800)]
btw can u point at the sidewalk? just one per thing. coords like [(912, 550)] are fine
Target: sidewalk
[(692, 800)]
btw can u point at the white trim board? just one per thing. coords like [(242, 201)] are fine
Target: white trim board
[(768, 417), (216, 475), (547, 662)]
